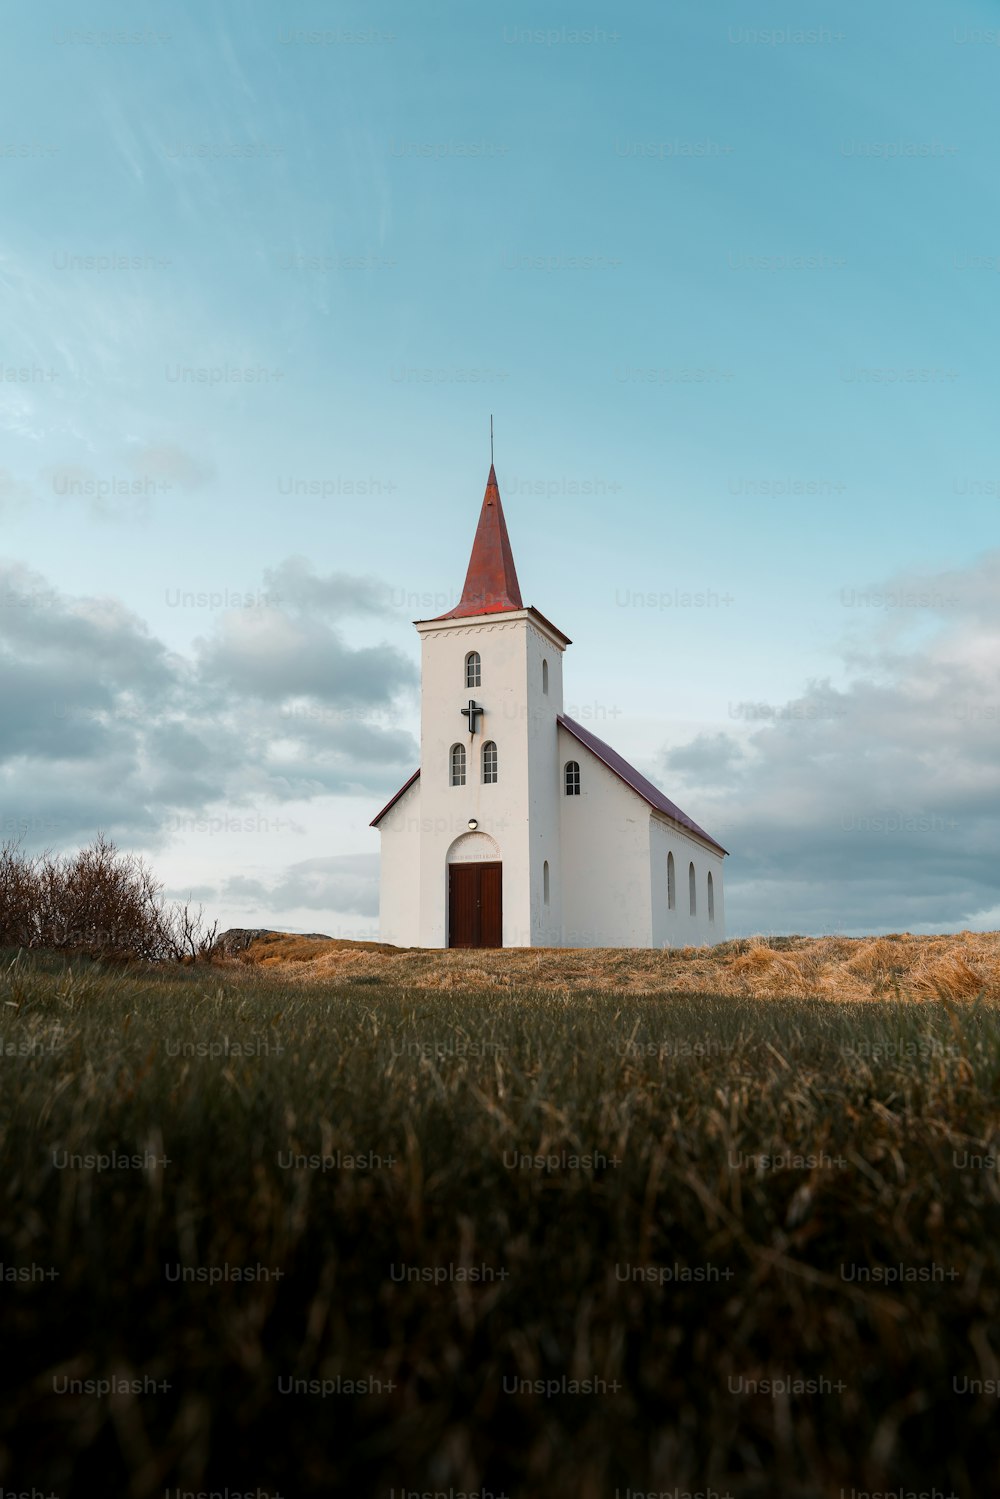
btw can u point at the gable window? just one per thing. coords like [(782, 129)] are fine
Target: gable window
[(671, 884), (711, 898), (692, 890), (545, 676), (545, 882), (572, 778), (458, 765), (489, 763), (473, 670)]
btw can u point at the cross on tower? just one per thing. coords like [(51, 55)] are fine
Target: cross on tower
[(471, 713)]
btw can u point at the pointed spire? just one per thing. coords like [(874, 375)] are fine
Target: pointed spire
[(491, 583)]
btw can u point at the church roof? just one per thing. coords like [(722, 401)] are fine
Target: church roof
[(633, 778), (394, 799), (491, 585)]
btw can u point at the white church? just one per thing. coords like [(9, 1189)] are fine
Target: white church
[(521, 828)]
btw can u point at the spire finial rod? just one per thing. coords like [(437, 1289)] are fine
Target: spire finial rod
[(491, 439)]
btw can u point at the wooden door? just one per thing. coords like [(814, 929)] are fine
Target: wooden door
[(475, 916), (490, 915)]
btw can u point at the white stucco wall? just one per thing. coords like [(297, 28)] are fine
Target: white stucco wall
[(399, 871), (605, 854), (678, 928), (545, 842)]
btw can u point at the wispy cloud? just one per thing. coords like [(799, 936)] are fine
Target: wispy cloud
[(876, 805)]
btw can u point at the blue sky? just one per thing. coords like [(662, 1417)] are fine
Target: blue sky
[(726, 281)]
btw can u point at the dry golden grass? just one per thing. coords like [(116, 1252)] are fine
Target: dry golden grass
[(954, 967)]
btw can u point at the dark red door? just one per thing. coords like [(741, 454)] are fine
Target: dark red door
[(490, 917), (475, 917)]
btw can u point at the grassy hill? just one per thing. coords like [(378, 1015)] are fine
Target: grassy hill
[(841, 968)]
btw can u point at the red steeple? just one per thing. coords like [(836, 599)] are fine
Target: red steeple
[(491, 582)]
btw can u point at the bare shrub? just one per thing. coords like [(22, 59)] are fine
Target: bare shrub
[(100, 901)]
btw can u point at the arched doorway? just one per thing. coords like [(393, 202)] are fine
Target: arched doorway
[(475, 892)]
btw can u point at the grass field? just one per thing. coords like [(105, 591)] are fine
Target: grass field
[(419, 1223)]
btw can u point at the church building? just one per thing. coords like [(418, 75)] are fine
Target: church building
[(521, 828)]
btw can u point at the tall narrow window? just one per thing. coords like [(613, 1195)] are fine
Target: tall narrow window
[(473, 670), (572, 778), (545, 676), (489, 763), (671, 884), (692, 890), (545, 882), (458, 765), (711, 898)]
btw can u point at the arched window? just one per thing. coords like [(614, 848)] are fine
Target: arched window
[(489, 763), (711, 898), (473, 670), (545, 676), (572, 778), (458, 765), (671, 884), (545, 882), (692, 890)]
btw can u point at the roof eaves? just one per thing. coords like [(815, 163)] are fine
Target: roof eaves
[(393, 800)]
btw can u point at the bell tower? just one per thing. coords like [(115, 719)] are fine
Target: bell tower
[(491, 692)]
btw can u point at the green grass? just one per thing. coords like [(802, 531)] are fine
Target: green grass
[(890, 1096)]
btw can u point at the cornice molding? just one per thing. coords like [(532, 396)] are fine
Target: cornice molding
[(462, 627)]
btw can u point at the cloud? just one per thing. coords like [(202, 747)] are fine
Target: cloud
[(345, 884), (96, 637), (104, 728), (710, 756), (338, 594), (284, 651), (170, 465), (876, 806)]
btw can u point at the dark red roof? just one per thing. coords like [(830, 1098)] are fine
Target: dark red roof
[(632, 777), (393, 800), (491, 585)]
